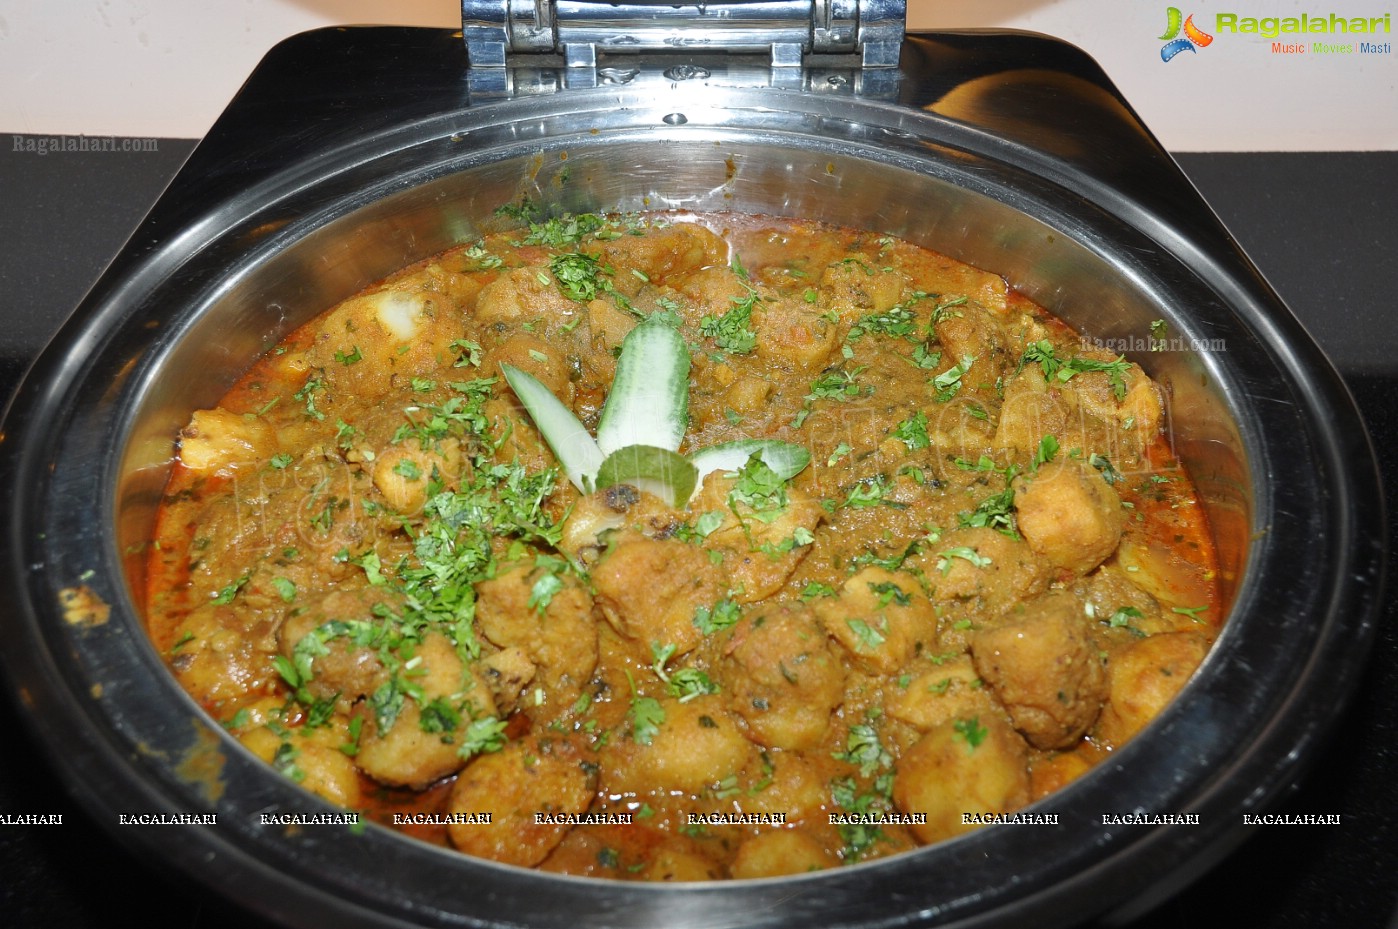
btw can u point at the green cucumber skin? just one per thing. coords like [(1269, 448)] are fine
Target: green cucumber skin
[(649, 400), (785, 458), (574, 447), (659, 471)]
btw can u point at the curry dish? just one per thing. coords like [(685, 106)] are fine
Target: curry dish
[(866, 546)]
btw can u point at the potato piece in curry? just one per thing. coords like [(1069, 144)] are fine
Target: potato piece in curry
[(381, 573)]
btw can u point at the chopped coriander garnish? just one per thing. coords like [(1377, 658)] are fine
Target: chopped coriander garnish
[(912, 431), (1122, 616), (726, 787), (899, 321), (985, 463), (543, 591), (647, 715), (1103, 464), (722, 615), (890, 592), (1158, 330), (759, 488), (284, 760), (344, 434), (286, 589), (524, 212), (800, 537), (948, 383), (965, 553), (484, 260), (660, 654), (837, 385), (438, 716), (266, 407), (867, 492), (689, 683), (994, 512), (924, 358), (733, 330), (356, 727), (314, 386), (482, 736), (858, 838), (579, 276), (568, 229), (468, 353), (862, 748), (373, 568), (970, 731), (866, 637), (1064, 370), (944, 309), (703, 527), (230, 590), (918, 476)]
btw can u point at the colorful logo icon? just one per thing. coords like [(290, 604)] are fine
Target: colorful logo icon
[(1174, 43)]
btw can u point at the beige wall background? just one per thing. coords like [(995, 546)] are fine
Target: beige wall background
[(167, 67)]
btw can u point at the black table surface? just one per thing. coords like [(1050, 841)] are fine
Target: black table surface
[(1320, 226)]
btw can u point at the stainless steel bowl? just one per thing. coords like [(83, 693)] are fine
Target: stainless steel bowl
[(1012, 153)]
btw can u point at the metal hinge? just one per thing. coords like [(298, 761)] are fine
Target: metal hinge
[(498, 32)]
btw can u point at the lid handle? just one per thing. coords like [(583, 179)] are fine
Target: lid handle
[(787, 30)]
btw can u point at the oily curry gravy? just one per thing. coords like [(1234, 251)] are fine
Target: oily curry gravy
[(985, 573)]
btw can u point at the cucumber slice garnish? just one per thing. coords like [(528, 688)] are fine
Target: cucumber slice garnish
[(649, 401), (642, 425), (659, 471), (575, 448), (785, 458)]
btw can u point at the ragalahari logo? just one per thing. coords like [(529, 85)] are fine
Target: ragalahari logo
[(1174, 43)]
